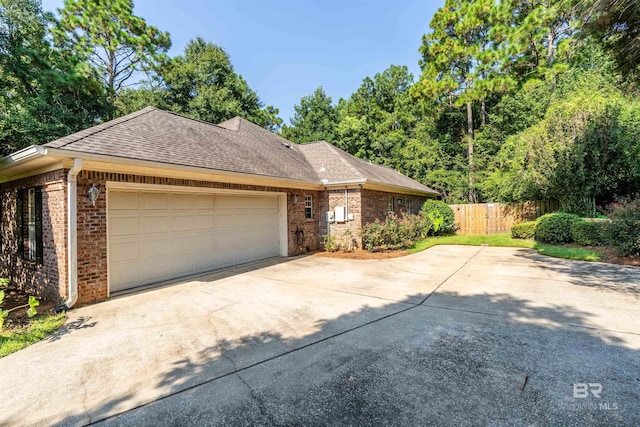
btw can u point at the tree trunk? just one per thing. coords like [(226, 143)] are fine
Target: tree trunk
[(550, 48), (484, 111), (472, 196)]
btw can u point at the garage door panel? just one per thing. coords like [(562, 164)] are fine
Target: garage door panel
[(155, 236), (155, 248), (179, 201), (123, 200), (204, 221), (226, 239), (182, 223), (226, 202), (155, 224), (124, 250), (264, 219), (245, 238), (206, 261), (244, 219), (155, 201), (181, 245), (206, 202), (182, 265), (154, 271), (124, 225), (205, 242), (224, 220)]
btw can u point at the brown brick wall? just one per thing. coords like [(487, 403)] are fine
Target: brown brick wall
[(375, 205), (47, 280), (92, 224), (352, 203), (50, 279)]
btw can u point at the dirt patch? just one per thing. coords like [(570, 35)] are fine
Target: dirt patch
[(14, 297)]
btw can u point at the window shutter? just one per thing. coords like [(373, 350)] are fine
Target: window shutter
[(38, 209), (20, 222)]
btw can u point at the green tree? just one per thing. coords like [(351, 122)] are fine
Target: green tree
[(584, 149), (116, 42), (45, 93), (202, 84), (386, 113), (534, 38), (615, 24), (457, 63), (314, 119)]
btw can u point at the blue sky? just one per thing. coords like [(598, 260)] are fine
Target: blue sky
[(286, 49)]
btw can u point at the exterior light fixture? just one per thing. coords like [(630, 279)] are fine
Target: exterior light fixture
[(295, 198), (92, 194)]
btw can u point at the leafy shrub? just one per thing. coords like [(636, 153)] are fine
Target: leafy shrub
[(555, 227), (625, 226), (434, 212), (329, 242), (525, 230), (590, 233), (393, 233), (32, 304)]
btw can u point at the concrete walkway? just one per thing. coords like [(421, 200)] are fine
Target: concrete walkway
[(445, 336)]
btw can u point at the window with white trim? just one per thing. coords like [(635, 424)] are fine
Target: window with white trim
[(308, 207)]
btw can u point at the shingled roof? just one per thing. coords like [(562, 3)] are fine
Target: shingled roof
[(235, 145), (160, 136), (334, 165)]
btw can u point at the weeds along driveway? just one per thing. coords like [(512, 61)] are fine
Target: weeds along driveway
[(445, 336)]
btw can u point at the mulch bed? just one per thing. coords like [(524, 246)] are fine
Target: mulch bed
[(362, 254), (609, 255)]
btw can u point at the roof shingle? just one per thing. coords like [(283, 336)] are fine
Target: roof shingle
[(235, 145)]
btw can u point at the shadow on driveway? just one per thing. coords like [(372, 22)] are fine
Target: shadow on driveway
[(417, 366)]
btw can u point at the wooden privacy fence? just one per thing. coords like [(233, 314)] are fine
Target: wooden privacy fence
[(494, 218)]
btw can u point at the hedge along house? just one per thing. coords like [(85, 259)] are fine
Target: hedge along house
[(154, 196)]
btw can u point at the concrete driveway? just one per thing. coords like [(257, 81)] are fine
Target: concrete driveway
[(445, 337)]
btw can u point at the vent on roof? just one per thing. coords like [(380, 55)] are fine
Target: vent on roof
[(286, 145)]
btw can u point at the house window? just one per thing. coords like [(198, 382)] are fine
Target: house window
[(390, 204), (29, 212), (308, 207), (409, 205)]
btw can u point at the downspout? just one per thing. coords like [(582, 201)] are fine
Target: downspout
[(346, 203), (72, 232)]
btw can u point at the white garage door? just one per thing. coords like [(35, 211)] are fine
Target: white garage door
[(156, 236)]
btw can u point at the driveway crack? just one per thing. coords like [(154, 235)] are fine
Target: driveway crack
[(254, 395), (451, 275)]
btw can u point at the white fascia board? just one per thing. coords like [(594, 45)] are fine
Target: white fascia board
[(390, 188), (23, 155), (134, 166)]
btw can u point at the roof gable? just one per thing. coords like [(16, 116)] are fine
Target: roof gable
[(160, 136), (335, 165), (235, 145)]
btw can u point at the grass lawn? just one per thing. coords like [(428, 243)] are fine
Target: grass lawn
[(580, 254), (14, 339)]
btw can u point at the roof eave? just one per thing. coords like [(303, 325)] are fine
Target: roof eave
[(127, 165), (371, 185), (26, 162)]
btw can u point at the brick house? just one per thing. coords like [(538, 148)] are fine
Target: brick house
[(154, 196)]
